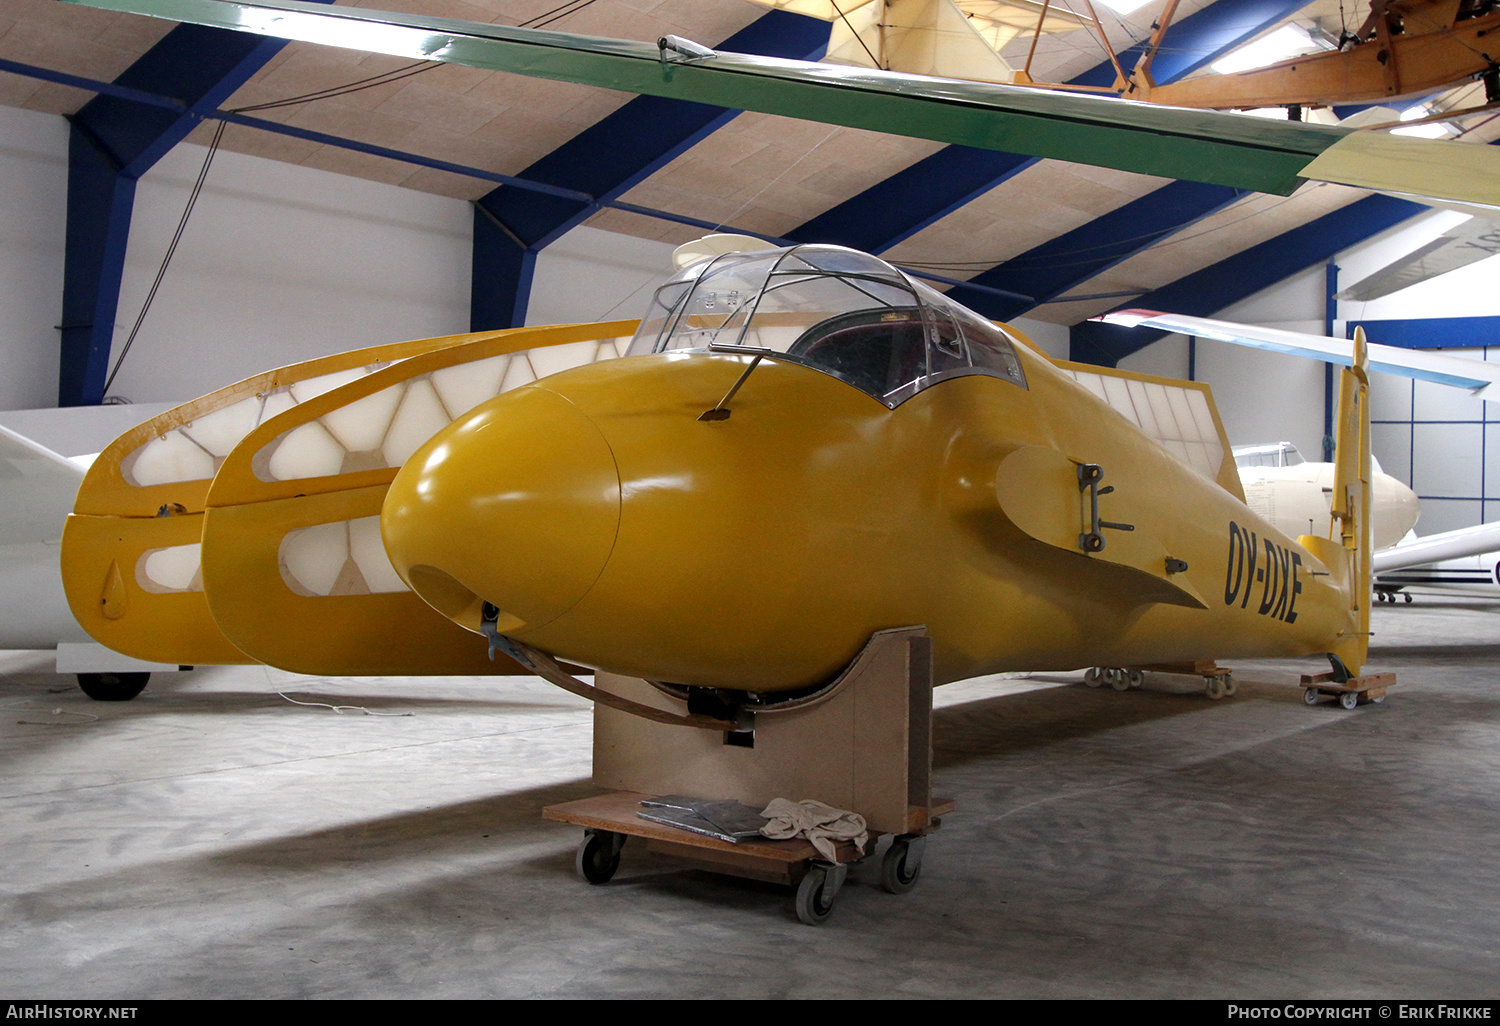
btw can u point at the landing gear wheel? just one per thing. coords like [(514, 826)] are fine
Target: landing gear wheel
[(1349, 699), (113, 687), (599, 855), (1310, 696), (815, 897), (1215, 687), (1092, 677), (902, 865)]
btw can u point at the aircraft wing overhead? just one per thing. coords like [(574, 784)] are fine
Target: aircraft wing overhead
[(1223, 149), (1459, 246), (1477, 376), (1466, 541)]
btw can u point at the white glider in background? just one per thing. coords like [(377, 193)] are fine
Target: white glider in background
[(1479, 378), (37, 489)]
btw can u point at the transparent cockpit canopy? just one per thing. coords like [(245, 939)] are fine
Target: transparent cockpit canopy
[(1276, 454), (843, 312)]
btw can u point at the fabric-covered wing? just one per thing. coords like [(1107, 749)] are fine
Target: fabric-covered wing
[(1224, 149)]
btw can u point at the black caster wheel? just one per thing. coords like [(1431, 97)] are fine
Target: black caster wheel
[(817, 890), (902, 865), (113, 687), (599, 855)]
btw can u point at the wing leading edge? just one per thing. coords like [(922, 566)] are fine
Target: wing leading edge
[(1223, 149)]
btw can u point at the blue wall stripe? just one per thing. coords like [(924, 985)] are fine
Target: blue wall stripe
[(1432, 332)]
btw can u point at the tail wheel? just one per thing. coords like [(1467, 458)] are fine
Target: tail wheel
[(113, 687)]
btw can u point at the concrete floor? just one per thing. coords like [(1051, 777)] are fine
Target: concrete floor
[(210, 839)]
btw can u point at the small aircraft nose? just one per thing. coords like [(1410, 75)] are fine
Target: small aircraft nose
[(516, 504)]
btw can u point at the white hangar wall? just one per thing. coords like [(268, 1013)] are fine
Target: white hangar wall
[(1440, 441), (281, 263), (33, 214)]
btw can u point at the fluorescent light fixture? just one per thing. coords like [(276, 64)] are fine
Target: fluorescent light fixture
[(1124, 6), (1287, 41), (354, 34)]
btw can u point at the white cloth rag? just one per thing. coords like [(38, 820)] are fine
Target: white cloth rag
[(821, 824)]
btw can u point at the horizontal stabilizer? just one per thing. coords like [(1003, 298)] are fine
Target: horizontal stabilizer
[(1475, 375)]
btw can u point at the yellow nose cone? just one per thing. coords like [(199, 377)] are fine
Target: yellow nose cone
[(516, 504)]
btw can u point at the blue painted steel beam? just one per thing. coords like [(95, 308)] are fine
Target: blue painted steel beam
[(898, 208), (113, 141), (1210, 290), (276, 127), (1054, 267), (512, 226), (895, 209), (1199, 39)]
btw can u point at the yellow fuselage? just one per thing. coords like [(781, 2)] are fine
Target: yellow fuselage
[(611, 527)]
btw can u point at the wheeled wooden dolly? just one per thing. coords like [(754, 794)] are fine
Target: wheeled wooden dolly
[(609, 820), (1218, 681), (1353, 692), (862, 743)]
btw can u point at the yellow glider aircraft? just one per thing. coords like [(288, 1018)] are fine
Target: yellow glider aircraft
[(799, 448)]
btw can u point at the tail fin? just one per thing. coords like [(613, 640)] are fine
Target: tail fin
[(1352, 505)]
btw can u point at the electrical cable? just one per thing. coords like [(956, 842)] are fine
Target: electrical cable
[(385, 78), (341, 708), (161, 272)]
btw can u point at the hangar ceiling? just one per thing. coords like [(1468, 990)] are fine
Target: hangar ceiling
[(1072, 240)]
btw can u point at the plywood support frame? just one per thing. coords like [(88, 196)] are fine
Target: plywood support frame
[(867, 747)]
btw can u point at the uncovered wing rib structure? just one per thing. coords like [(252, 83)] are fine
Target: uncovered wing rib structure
[(1233, 150), (244, 526)]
